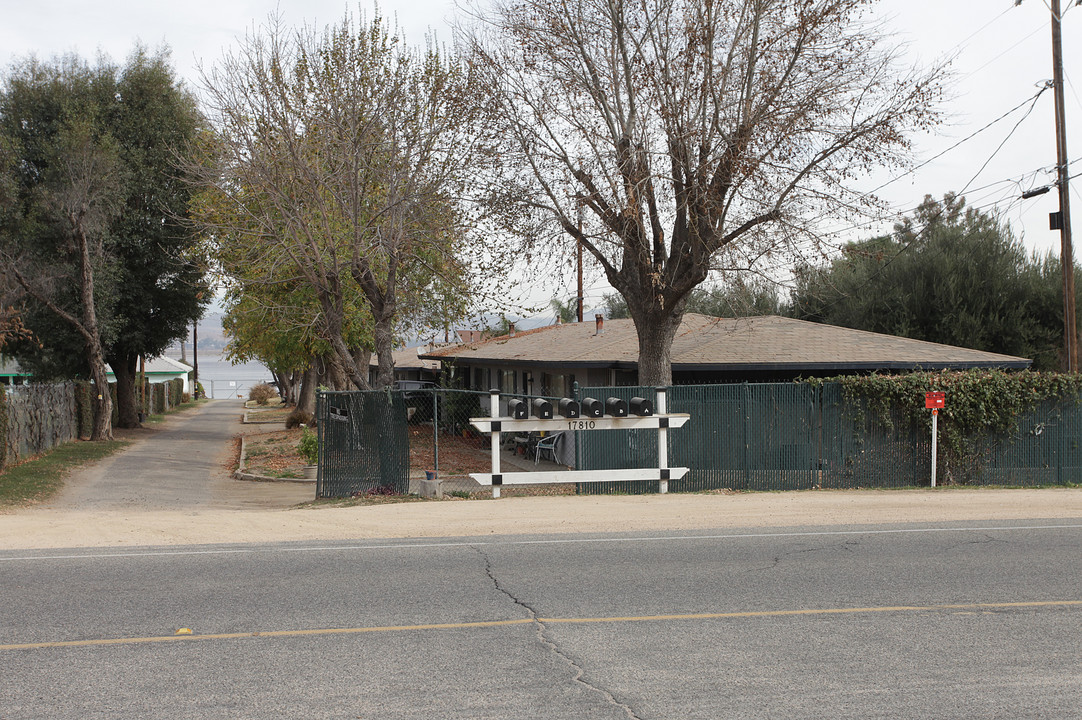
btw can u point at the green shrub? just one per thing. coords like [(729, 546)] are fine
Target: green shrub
[(308, 447), (261, 393)]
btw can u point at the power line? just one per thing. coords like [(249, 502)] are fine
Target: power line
[(1029, 111), (1030, 100)]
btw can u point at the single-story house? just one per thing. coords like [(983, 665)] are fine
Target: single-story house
[(549, 360), (11, 373), (159, 370), (409, 365)]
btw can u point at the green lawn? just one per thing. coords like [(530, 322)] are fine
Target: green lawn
[(40, 478)]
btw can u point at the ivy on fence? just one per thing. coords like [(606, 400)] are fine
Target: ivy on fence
[(980, 403), (38, 418)]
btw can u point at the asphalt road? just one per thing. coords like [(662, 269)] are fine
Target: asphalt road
[(891, 621)]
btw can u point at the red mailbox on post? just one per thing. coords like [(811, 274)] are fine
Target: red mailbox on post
[(935, 401)]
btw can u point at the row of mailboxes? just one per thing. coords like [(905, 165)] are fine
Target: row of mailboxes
[(519, 409)]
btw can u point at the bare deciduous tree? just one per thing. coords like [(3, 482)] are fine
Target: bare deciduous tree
[(694, 133)]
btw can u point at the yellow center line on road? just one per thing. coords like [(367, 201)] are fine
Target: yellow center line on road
[(545, 621)]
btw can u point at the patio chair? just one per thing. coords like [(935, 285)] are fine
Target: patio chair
[(547, 443)]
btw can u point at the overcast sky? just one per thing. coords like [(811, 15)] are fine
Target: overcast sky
[(1002, 54)]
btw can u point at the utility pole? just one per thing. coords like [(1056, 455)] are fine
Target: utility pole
[(1070, 329)]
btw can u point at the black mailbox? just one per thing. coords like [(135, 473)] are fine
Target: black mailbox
[(641, 407), (542, 409), (616, 407), (569, 408), (518, 409), (591, 408)]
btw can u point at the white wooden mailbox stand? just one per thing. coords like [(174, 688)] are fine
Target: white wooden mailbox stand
[(662, 421)]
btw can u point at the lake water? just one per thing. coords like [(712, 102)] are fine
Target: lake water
[(222, 379)]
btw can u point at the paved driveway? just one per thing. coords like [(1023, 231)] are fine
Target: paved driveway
[(185, 463)]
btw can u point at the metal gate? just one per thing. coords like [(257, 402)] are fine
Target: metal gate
[(363, 443)]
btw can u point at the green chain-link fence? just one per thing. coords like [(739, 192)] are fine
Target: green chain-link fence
[(363, 444), (788, 436), (770, 436)]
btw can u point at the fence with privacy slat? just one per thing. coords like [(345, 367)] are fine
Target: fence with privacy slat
[(768, 436), (363, 443)]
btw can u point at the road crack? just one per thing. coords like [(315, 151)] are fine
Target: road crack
[(579, 673)]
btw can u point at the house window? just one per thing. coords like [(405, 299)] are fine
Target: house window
[(507, 381), (553, 385)]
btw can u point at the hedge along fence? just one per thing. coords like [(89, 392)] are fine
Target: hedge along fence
[(37, 418), (162, 397), (997, 427), (165, 396)]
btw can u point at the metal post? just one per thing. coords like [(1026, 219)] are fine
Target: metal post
[(494, 412), (747, 438), (662, 442), (435, 434), (321, 438), (935, 438)]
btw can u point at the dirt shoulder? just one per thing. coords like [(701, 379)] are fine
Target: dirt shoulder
[(45, 528), (173, 486)]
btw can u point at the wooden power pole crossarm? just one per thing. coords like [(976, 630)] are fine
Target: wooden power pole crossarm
[(1070, 328)]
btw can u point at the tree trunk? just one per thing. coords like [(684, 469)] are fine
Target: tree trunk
[(656, 329), (127, 397), (103, 405), (103, 419), (384, 337), (306, 398)]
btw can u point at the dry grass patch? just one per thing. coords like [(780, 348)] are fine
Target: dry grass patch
[(274, 454)]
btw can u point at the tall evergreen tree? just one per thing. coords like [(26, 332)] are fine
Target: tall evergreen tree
[(948, 274), (127, 125)]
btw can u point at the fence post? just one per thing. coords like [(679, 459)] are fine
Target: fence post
[(662, 441), (321, 437), (577, 436), (435, 434), (494, 412), (747, 436)]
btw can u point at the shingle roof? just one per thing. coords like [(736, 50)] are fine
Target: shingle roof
[(754, 343), (408, 359)]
